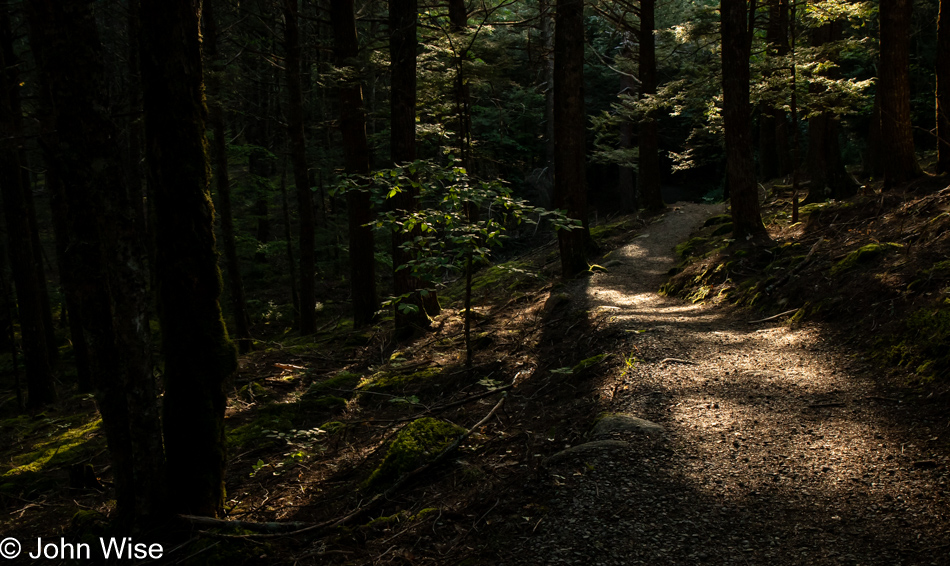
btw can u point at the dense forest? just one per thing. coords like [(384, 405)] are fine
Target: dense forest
[(194, 186)]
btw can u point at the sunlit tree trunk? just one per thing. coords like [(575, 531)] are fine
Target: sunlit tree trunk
[(570, 186), (900, 163), (743, 193), (198, 355), (356, 161)]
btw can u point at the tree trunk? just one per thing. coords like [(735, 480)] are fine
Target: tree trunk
[(570, 186), (242, 322), (458, 22), (900, 164), (829, 179), (106, 253), (943, 88), (356, 161), (199, 357), (648, 177), (773, 124), (25, 255), (298, 158), (402, 46), (737, 122)]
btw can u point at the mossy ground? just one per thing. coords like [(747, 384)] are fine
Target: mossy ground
[(421, 441)]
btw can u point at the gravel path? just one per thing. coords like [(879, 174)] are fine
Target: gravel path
[(779, 448)]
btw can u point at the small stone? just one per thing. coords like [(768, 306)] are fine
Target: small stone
[(620, 422), (586, 449)]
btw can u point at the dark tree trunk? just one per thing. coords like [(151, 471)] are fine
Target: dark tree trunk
[(242, 322), (135, 123), (84, 378), (773, 124), (199, 357), (874, 156), (648, 177), (106, 254), (356, 161), (829, 179), (25, 254), (402, 46), (943, 88), (900, 164), (570, 187), (458, 22), (737, 121), (298, 158)]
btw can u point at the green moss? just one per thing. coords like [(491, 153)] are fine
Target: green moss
[(689, 247), (333, 427), (417, 443), (63, 445), (863, 255), (275, 416), (384, 380), (584, 364), (923, 345), (253, 392), (424, 513), (341, 384)]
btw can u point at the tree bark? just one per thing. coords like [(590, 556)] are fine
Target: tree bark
[(403, 46), (22, 234), (107, 254), (242, 322), (900, 164), (773, 124), (298, 159), (737, 122), (458, 22), (648, 177), (199, 357), (943, 87), (570, 186), (356, 161)]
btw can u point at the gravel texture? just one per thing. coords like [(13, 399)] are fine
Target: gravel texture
[(780, 446)]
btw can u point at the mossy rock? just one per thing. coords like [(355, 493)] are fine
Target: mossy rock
[(388, 380), (418, 443), (253, 391), (863, 256), (717, 220), (341, 384)]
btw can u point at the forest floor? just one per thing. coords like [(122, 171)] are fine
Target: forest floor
[(779, 441)]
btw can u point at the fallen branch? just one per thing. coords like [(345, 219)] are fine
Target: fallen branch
[(774, 316)]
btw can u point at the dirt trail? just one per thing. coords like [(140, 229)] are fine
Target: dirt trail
[(778, 448)]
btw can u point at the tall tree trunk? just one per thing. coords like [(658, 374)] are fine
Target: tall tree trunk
[(107, 254), (943, 88), (626, 176), (570, 186), (298, 158), (242, 321), (648, 177), (25, 254), (900, 164), (458, 22), (199, 357), (737, 121), (402, 47), (873, 166), (773, 124), (829, 179), (356, 161)]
